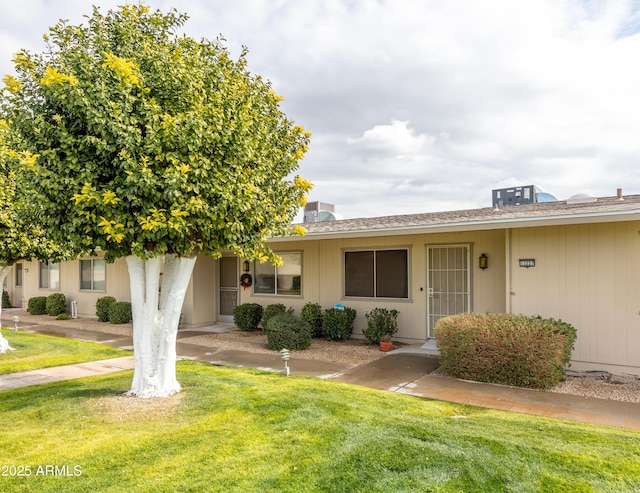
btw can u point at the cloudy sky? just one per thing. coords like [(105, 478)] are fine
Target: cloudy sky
[(427, 105)]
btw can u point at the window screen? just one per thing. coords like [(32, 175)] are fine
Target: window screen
[(376, 274)]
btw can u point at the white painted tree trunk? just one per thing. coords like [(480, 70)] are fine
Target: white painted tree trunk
[(156, 316), (4, 344)]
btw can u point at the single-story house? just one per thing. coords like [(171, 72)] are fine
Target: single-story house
[(577, 260)]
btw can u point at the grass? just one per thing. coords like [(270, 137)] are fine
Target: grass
[(243, 430), (34, 351)]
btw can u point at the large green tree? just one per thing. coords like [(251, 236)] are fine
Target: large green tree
[(12, 245), (155, 147), (20, 236)]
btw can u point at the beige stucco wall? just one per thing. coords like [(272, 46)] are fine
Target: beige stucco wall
[(322, 276), (589, 276), (117, 285), (199, 308)]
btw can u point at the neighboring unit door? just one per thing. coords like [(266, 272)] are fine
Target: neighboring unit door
[(449, 282), (227, 288), (16, 295)]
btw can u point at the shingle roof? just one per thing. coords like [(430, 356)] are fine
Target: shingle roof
[(561, 212)]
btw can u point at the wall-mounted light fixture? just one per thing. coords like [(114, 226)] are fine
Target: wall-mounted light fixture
[(245, 266), (483, 261)]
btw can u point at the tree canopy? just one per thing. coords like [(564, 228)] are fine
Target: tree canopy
[(144, 142), (12, 245), (20, 235)]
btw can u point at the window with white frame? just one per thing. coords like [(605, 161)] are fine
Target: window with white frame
[(93, 274), (49, 275), (284, 280), (376, 273)]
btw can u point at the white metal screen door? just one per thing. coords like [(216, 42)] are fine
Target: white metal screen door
[(449, 280), (227, 288)]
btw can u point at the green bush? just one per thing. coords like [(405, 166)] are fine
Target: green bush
[(272, 311), (247, 316), (312, 314), (504, 348), (102, 307), (337, 324), (380, 322), (120, 312), (286, 331), (56, 304), (37, 305), (6, 302)]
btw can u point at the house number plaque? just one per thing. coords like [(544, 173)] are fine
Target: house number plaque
[(527, 262)]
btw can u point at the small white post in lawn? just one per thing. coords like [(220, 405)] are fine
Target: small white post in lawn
[(4, 344), (284, 354), (156, 315)]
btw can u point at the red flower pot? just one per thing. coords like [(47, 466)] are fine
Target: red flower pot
[(385, 346)]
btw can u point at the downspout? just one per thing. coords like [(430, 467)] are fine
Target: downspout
[(509, 272)]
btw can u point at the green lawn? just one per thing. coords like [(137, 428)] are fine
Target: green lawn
[(243, 430), (35, 351)]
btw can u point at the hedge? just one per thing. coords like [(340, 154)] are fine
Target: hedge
[(286, 331), (247, 316), (504, 348), (312, 314), (56, 304), (37, 305), (273, 310), (6, 302), (120, 312), (380, 322), (337, 324), (102, 307)]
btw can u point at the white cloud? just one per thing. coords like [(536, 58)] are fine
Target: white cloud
[(396, 139)]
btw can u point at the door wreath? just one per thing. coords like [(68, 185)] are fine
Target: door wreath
[(245, 280)]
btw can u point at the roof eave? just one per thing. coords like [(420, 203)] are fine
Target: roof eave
[(482, 225)]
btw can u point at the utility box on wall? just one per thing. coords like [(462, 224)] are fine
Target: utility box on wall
[(515, 196)]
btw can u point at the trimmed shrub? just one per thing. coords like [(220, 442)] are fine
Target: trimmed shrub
[(337, 325), (6, 302), (37, 305), (102, 307), (56, 304), (312, 314), (247, 316), (380, 322), (286, 331), (272, 311), (504, 348), (120, 312)]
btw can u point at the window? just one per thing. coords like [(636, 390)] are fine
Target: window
[(92, 274), (284, 279), (18, 275), (376, 273), (49, 275)]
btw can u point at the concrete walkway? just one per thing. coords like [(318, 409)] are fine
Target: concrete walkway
[(67, 372), (399, 371)]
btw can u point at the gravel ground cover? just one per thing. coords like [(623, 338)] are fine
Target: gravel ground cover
[(354, 352)]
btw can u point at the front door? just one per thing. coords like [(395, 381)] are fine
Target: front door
[(448, 282), (227, 288)]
